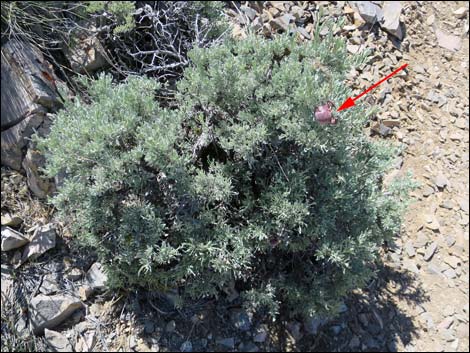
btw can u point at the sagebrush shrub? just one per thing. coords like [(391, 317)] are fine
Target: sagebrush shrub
[(239, 183), (121, 11)]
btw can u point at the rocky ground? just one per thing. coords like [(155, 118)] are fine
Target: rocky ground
[(419, 300)]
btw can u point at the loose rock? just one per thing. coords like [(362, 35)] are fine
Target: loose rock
[(313, 324), (428, 191), (410, 266), (384, 130), (57, 341), (440, 181), (11, 239), (227, 342), (433, 224), (8, 220), (88, 54), (249, 12), (42, 240), (370, 12), (391, 18), (32, 163), (50, 311), (282, 22), (85, 292), (241, 320), (430, 250), (170, 326), (448, 41), (461, 12), (49, 284), (409, 248), (463, 203), (96, 277), (446, 323), (74, 275), (452, 261), (261, 334), (447, 204), (450, 273)]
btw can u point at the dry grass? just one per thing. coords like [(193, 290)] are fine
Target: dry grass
[(17, 200)]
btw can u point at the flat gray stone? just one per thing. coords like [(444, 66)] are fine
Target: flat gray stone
[(450, 240), (463, 203), (437, 98), (428, 319), (410, 266), (430, 250), (433, 223), (447, 204), (354, 343), (42, 241), (281, 23), (384, 130), (49, 284), (421, 240), (410, 249), (149, 327), (448, 41), (74, 274), (450, 273), (33, 161), (11, 239), (434, 269), (395, 257), (461, 12), (336, 329), (226, 342), (452, 261), (303, 32), (57, 341), (249, 12), (11, 221), (391, 18), (441, 181), (446, 323), (50, 311), (96, 277), (370, 12)]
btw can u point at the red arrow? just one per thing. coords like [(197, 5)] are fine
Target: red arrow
[(348, 103)]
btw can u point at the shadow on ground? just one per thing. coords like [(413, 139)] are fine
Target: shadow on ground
[(372, 321)]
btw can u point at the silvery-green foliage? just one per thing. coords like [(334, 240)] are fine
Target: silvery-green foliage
[(239, 183)]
